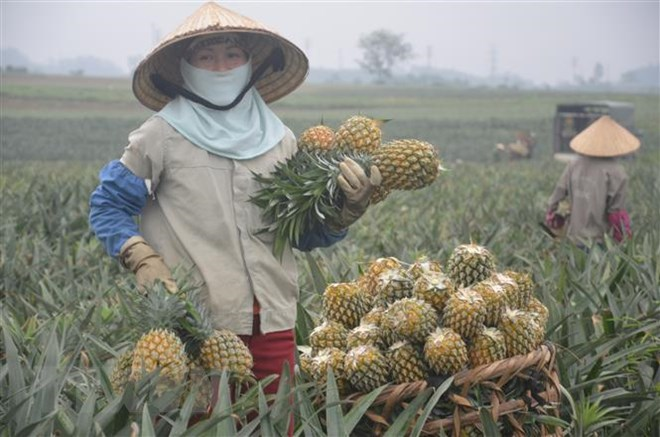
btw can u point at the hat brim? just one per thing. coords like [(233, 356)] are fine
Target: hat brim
[(273, 85), (605, 138)]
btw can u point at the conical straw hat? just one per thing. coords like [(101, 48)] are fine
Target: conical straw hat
[(210, 19), (605, 138)]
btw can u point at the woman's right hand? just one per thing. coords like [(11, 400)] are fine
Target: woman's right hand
[(148, 266)]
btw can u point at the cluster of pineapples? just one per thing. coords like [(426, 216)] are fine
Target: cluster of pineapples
[(179, 343), (303, 190), (402, 322)]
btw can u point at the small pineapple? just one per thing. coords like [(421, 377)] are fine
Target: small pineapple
[(536, 307), (306, 362), (487, 347), (365, 334), (407, 164), (374, 316), (495, 299), (434, 288), (160, 349), (121, 371), (369, 280), (423, 266), (345, 303), (198, 378), (411, 319), (406, 363), (465, 313), (469, 264), (359, 133), (224, 350), (445, 351), (526, 287), (328, 334), (510, 288), (366, 368), (522, 334), (317, 138), (330, 358), (392, 285)]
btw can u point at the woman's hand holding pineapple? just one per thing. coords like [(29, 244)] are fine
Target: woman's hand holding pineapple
[(357, 188)]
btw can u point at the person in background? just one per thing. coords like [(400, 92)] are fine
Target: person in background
[(187, 172), (594, 185)]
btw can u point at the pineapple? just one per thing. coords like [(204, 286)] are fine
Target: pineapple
[(407, 164), (306, 362), (374, 316), (160, 349), (445, 351), (522, 334), (406, 363), (366, 368), (495, 298), (365, 334), (510, 288), (465, 313), (359, 133), (392, 285), (345, 303), (469, 264), (317, 138), (526, 287), (423, 266), (411, 319), (224, 350), (121, 371), (302, 193), (328, 334), (198, 378), (332, 358), (369, 280), (434, 288), (537, 308), (487, 347)]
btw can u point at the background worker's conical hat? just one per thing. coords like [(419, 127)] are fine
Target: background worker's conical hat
[(605, 138), (211, 19)]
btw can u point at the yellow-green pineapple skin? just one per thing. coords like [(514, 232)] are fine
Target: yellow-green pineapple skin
[(366, 368), (434, 288), (392, 285), (487, 347), (345, 303), (469, 264), (522, 334), (406, 363), (359, 133), (121, 371), (365, 334), (411, 319), (160, 349), (317, 138), (407, 164), (495, 298), (445, 352), (465, 313), (224, 350), (328, 334), (330, 358)]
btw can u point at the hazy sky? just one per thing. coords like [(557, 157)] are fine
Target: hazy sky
[(544, 41)]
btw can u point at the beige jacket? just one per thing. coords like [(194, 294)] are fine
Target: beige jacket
[(200, 220), (594, 187)]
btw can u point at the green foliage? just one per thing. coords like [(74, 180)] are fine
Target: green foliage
[(64, 322)]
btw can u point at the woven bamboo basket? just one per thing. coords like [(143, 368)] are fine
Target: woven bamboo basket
[(536, 370)]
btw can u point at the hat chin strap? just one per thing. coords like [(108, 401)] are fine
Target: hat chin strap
[(171, 89)]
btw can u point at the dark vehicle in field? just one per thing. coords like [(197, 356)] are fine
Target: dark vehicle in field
[(573, 118)]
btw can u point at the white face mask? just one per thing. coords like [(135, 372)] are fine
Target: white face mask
[(218, 87), (245, 131)]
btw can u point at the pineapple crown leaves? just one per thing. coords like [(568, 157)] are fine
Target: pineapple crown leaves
[(302, 192)]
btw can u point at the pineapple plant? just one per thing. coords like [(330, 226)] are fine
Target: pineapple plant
[(359, 133), (406, 363), (465, 313), (366, 368), (469, 264), (224, 350), (345, 303), (445, 351), (487, 347), (411, 319), (302, 191), (317, 138)]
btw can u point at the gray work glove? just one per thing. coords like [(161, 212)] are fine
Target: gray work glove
[(357, 189), (148, 266)]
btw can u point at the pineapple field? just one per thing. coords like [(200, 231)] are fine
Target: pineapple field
[(475, 321)]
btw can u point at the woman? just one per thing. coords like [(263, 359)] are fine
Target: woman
[(188, 173), (594, 184)]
